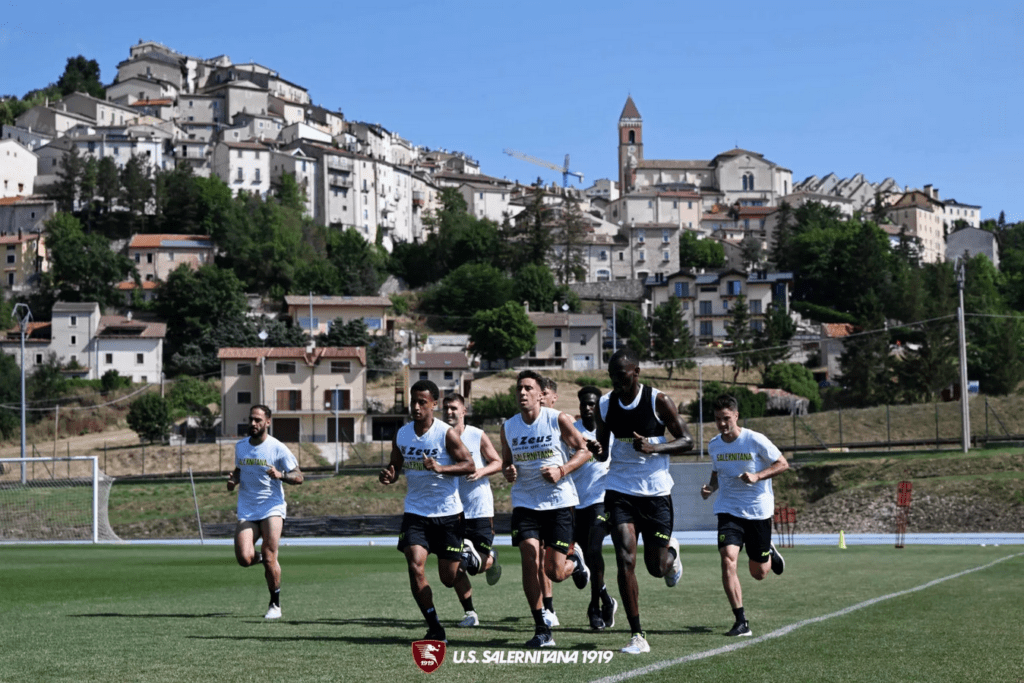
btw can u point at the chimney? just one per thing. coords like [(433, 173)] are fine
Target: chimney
[(526, 306), (928, 192)]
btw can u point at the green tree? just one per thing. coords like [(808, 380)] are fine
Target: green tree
[(865, 363), (570, 243), (699, 253), (741, 353), (672, 343), (137, 188), (469, 288), (69, 177), (771, 343), (361, 267), (108, 183), (189, 395), (796, 379), (632, 326), (46, 384), (502, 333), (380, 349), (10, 394), (783, 220), (82, 75), (112, 381), (750, 404), (177, 197), (535, 285), (927, 355), (82, 267), (289, 194), (149, 417), (752, 251), (530, 238)]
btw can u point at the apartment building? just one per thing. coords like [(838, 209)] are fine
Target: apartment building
[(18, 168), (316, 314)]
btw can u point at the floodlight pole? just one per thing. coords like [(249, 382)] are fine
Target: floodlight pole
[(965, 408), (23, 314), (337, 431)]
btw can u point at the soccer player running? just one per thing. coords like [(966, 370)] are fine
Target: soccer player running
[(262, 463), (743, 463), (477, 503), (543, 496), (548, 398), (433, 457), (591, 520), (638, 485)]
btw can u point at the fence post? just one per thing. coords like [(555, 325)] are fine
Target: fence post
[(986, 419), (840, 427), (936, 425), (143, 458), (220, 452), (888, 429)]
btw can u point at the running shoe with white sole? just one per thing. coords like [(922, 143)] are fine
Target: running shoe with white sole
[(637, 645), (740, 628), (677, 564), (273, 612), (778, 563), (471, 619), (541, 639)]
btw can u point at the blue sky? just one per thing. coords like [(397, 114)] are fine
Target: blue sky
[(922, 92)]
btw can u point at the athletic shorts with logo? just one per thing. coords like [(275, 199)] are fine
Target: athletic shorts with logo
[(439, 535), (480, 530), (756, 534), (591, 519), (651, 516), (552, 527)]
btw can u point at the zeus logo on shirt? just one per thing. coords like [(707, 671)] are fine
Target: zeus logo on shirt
[(530, 440), (736, 456), (410, 452)]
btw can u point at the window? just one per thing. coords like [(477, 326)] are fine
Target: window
[(707, 328), (705, 308), (170, 256), (138, 257), (244, 398), (10, 257), (665, 236), (10, 279), (373, 323), (558, 333), (641, 256), (239, 154), (583, 339), (108, 358), (424, 374), (682, 289), (149, 258), (755, 306), (665, 255), (74, 340), (304, 323), (756, 325), (284, 367), (74, 321), (257, 178), (602, 255), (140, 358), (725, 305), (242, 429), (243, 369), (640, 236), (603, 276), (621, 256), (448, 375), (338, 399), (732, 287), (39, 359), (339, 367), (558, 349), (289, 399), (241, 175)]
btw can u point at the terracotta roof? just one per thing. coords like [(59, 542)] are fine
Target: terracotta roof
[(158, 103), (245, 145), (10, 201), (368, 301), (629, 111), (128, 285), (122, 327), (837, 330), (441, 361), (16, 239), (156, 241), (293, 353)]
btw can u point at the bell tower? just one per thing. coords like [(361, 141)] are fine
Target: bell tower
[(631, 145)]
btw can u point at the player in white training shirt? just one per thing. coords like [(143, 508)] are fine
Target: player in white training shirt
[(433, 458), (743, 463), (477, 503), (262, 463), (542, 495)]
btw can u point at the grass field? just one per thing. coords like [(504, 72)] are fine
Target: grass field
[(189, 613)]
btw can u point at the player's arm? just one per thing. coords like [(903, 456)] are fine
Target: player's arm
[(492, 461), (508, 468), (234, 479), (707, 489), (463, 459), (603, 435), (676, 426), (576, 443), (777, 467), (389, 475)]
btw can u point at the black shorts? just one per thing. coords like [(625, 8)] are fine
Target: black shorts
[(651, 516), (552, 527), (439, 535), (590, 517), (756, 534), (480, 530)]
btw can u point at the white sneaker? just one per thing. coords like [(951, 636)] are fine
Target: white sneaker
[(637, 645), (677, 565), (273, 612), (471, 558), (550, 618), (471, 619)]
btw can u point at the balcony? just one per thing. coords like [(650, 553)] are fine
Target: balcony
[(337, 180), (338, 163)]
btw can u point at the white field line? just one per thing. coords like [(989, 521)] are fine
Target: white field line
[(746, 642)]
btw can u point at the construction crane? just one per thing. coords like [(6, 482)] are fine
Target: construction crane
[(563, 169)]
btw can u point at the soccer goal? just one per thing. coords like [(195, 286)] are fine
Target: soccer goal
[(54, 500)]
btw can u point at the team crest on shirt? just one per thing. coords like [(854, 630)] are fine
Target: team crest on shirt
[(428, 654)]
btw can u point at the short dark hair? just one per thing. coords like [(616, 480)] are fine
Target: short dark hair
[(726, 402), (260, 406), (588, 391), (530, 374), (549, 384), (625, 355), (425, 385), (453, 397)]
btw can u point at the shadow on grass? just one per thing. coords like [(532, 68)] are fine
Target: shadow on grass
[(208, 615)]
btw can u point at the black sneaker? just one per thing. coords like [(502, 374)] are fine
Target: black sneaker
[(596, 620), (436, 635), (541, 639), (778, 563), (608, 612), (470, 558), (580, 575), (740, 628)]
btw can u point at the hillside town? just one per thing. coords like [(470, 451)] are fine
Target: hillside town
[(257, 132)]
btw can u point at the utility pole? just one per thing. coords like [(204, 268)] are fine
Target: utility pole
[(965, 408), (23, 315)]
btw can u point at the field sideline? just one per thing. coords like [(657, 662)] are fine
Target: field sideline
[(173, 613)]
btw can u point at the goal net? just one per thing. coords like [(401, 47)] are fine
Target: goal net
[(54, 500)]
